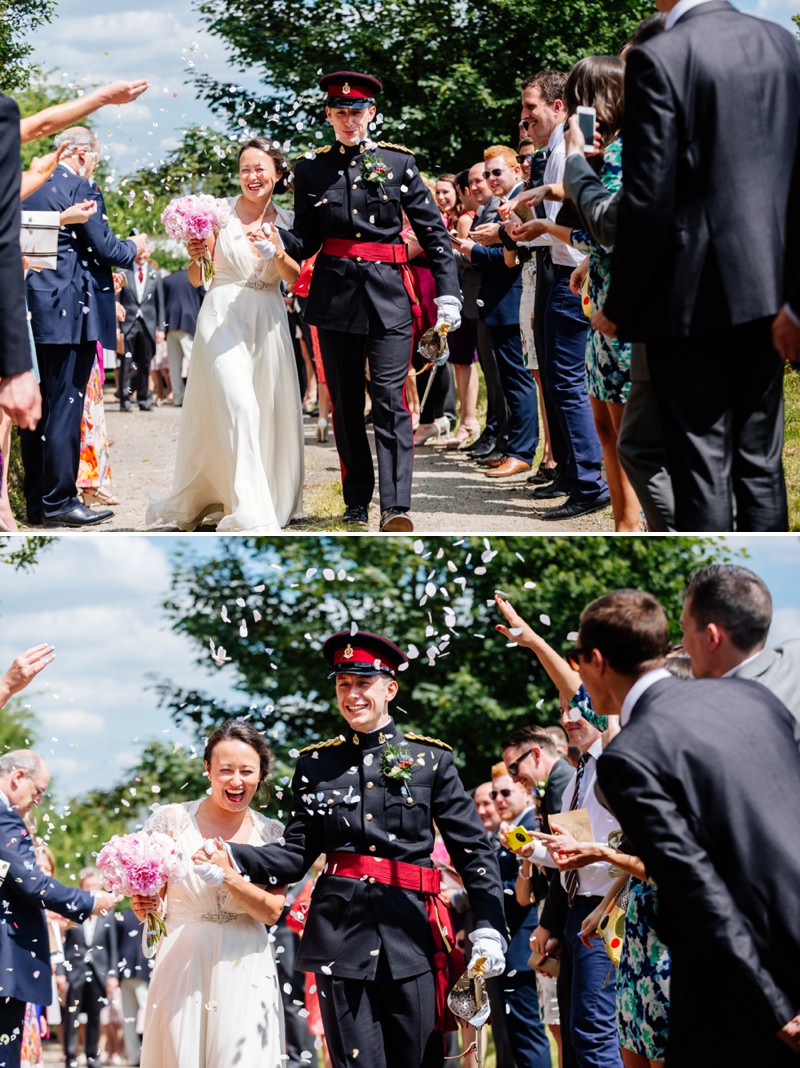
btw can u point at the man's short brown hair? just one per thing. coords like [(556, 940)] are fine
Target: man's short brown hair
[(629, 627), (550, 84), (529, 736)]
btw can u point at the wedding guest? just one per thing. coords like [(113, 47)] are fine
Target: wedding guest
[(142, 297), (24, 669), (182, 303), (133, 972), (213, 996)]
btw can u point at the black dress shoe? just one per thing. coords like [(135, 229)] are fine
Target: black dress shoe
[(145, 406), (576, 506), (79, 516), (489, 445), (396, 521), (355, 513), (546, 493), (492, 460), (543, 476), (125, 406)]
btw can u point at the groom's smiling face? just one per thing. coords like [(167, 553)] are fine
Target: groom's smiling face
[(364, 700)]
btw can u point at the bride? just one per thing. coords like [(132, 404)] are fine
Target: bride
[(240, 444), (214, 998)]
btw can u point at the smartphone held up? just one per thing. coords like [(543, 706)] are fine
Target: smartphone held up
[(587, 119)]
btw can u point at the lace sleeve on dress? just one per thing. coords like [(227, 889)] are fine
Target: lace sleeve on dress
[(167, 819), (269, 830)]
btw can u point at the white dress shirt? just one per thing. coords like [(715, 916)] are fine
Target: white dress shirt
[(563, 255), (680, 9), (644, 682)]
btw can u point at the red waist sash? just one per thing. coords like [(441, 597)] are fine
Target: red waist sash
[(425, 881), (365, 250)]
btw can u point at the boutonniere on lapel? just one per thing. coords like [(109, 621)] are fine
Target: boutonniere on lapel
[(374, 169), (398, 763), (540, 789)]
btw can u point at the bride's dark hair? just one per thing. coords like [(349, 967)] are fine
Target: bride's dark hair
[(282, 168), (240, 731)]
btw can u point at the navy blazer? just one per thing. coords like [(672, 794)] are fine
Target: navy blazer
[(26, 893), (15, 348), (182, 302), (521, 919), (75, 303), (501, 286)]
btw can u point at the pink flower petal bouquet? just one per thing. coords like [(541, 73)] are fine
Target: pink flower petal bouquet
[(196, 217), (142, 863)]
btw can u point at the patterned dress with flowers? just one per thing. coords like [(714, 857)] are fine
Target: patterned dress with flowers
[(608, 361), (643, 977)]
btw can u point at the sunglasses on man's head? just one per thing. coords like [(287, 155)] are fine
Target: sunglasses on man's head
[(497, 793), (513, 767), (494, 173), (574, 656)]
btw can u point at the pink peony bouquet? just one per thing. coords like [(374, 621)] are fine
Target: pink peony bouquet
[(142, 863), (197, 217)]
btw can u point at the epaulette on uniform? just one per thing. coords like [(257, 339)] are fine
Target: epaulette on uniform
[(316, 151), (338, 740), (430, 741), (397, 148)]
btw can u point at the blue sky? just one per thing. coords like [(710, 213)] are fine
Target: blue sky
[(93, 42), (97, 599)]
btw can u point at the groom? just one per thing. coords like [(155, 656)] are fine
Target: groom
[(368, 799)]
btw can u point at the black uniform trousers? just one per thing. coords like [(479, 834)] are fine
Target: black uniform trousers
[(12, 1014), (721, 402), (383, 1022), (51, 453), (387, 351)]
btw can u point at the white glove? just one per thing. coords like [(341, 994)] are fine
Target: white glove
[(449, 312), (209, 873), (488, 943), (264, 248)]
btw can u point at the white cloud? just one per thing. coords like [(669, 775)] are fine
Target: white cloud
[(66, 723)]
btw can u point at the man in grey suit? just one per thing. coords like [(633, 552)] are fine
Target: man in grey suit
[(697, 271), (704, 778), (727, 612), (142, 297)]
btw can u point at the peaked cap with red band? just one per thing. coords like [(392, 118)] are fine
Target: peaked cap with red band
[(362, 653), (347, 89)]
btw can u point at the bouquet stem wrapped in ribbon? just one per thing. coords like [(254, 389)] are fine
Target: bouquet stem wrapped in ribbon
[(196, 217), (142, 863)]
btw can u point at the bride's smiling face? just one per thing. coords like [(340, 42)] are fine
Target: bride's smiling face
[(234, 774), (257, 174)]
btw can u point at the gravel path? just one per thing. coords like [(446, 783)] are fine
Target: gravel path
[(451, 494)]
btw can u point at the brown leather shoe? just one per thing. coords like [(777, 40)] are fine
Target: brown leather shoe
[(510, 466), (494, 460)]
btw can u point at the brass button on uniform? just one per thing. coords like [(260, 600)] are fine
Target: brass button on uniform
[(354, 186), (358, 259), (370, 785), (352, 163), (371, 880), (409, 800), (358, 235), (369, 815), (372, 848)]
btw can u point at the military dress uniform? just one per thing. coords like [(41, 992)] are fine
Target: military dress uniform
[(371, 944), (359, 298)]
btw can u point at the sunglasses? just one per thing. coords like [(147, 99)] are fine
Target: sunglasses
[(574, 656), (525, 159), (500, 793), (513, 767), (494, 173)]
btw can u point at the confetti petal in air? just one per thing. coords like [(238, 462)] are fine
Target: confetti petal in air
[(545, 619)]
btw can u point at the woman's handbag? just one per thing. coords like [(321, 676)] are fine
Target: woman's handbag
[(612, 925)]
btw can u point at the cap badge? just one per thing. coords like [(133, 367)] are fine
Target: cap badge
[(348, 652), (346, 89)]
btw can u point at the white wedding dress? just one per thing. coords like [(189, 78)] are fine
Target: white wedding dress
[(240, 444), (214, 999)]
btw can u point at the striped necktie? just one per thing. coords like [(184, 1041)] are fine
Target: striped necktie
[(572, 879)]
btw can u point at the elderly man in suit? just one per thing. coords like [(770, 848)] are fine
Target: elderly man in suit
[(182, 302), (90, 961), (698, 262), (501, 289), (704, 778), (19, 393), (72, 308), (142, 297), (27, 892), (726, 616)]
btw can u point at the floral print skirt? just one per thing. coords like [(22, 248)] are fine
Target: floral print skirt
[(643, 977)]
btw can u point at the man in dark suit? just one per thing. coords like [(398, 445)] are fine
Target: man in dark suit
[(697, 267), (72, 308), (90, 963), (726, 616), (133, 973), (182, 303), (786, 327), (501, 289), (705, 780), (349, 199), (368, 799), (24, 943), (142, 297), (19, 393)]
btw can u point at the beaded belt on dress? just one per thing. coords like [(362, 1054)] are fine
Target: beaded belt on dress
[(220, 916)]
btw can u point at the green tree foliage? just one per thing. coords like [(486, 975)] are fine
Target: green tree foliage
[(18, 20), (269, 606), (451, 72), (18, 726), (22, 553)]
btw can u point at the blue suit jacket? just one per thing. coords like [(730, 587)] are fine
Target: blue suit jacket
[(521, 919), (75, 303), (501, 286), (25, 894), (15, 348), (182, 302)]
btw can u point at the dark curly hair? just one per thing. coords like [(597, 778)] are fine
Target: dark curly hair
[(240, 731), (282, 168)]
